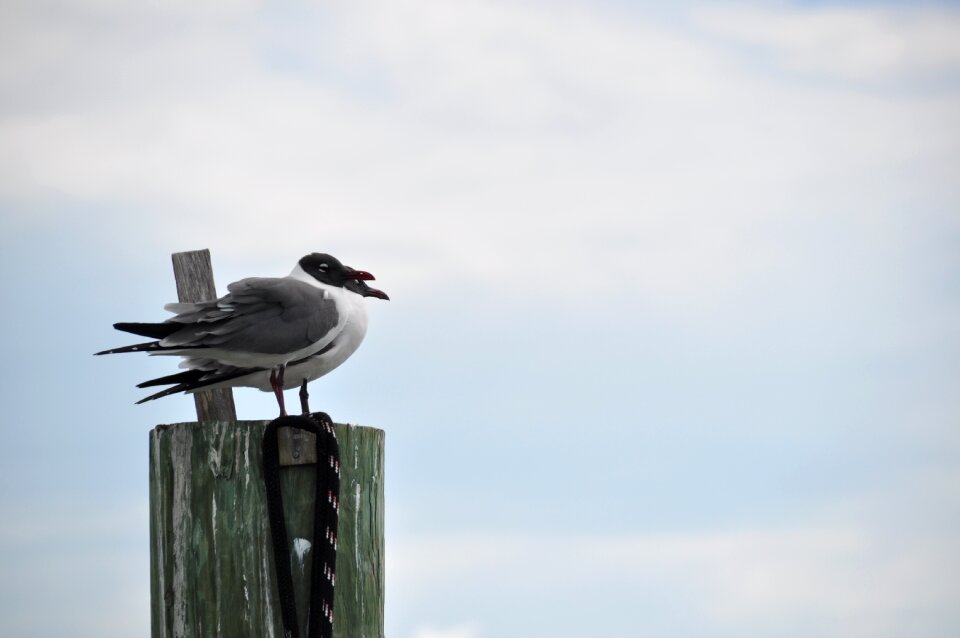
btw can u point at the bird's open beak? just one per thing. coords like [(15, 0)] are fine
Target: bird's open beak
[(362, 275)]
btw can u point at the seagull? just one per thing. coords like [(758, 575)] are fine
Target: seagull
[(206, 374), (262, 325)]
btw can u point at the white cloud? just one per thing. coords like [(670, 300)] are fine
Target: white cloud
[(861, 43), (458, 142)]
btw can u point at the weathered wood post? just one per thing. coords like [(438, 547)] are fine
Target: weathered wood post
[(193, 272), (211, 557)]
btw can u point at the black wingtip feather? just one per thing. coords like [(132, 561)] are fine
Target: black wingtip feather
[(186, 377), (152, 330), (191, 380), (149, 346), (183, 387)]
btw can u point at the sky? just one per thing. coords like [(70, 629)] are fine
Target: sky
[(673, 344)]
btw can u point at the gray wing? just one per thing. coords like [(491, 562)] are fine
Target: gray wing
[(265, 315)]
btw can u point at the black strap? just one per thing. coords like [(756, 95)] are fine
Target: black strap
[(325, 517)]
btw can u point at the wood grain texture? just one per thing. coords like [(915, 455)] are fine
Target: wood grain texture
[(211, 558), (193, 271)]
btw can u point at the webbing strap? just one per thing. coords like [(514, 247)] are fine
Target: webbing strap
[(325, 517)]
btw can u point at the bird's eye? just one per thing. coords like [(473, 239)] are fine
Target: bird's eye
[(324, 267)]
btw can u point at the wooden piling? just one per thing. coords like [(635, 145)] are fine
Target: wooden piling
[(211, 559)]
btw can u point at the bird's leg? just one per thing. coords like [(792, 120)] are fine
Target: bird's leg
[(276, 382), (304, 404), (283, 408)]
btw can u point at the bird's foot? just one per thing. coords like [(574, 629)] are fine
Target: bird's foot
[(304, 403)]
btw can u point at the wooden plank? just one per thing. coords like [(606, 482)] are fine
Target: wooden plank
[(193, 272), (211, 558), (296, 446)]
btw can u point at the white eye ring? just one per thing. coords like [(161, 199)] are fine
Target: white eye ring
[(324, 267)]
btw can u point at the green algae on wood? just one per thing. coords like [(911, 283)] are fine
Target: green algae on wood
[(211, 556)]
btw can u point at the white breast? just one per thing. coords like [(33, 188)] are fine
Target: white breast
[(344, 345)]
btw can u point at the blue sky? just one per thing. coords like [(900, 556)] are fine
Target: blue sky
[(672, 348)]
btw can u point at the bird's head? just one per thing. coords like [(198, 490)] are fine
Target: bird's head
[(328, 269)]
